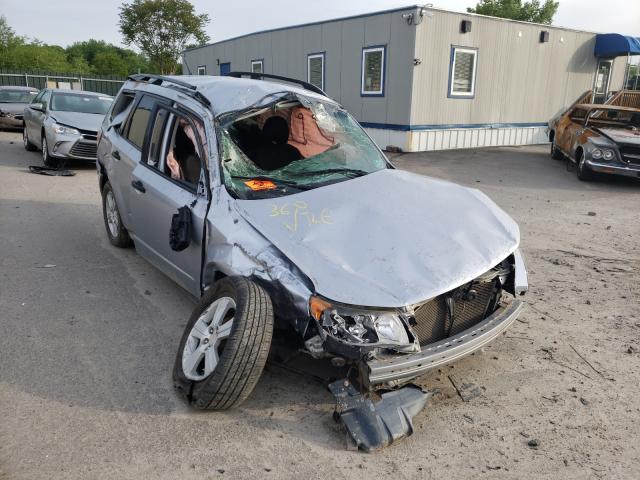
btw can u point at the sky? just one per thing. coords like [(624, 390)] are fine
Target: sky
[(62, 22)]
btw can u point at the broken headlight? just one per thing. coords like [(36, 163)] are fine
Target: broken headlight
[(363, 327)]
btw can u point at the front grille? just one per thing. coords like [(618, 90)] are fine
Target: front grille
[(470, 304), (630, 153), (84, 149), (89, 134)]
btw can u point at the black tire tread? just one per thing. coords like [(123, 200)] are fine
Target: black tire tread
[(556, 154), (123, 240), (245, 353), (29, 147)]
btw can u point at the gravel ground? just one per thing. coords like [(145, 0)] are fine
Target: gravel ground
[(88, 335)]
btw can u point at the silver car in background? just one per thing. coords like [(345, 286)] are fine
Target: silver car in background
[(12, 103), (64, 124)]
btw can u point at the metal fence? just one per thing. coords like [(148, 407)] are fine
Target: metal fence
[(106, 84)]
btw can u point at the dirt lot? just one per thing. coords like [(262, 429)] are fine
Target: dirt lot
[(87, 345)]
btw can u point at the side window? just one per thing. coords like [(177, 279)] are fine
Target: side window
[(257, 66), (184, 140), (121, 104), (578, 115), (45, 99), (38, 98), (138, 122), (462, 72), (372, 71), (155, 159), (315, 70)]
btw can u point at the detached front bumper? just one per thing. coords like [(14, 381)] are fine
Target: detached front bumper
[(392, 371), (625, 170), (73, 146), (11, 121)]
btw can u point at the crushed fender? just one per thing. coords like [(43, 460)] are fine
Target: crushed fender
[(373, 426)]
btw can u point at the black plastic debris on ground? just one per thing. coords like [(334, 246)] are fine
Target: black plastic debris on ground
[(53, 172), (373, 426)]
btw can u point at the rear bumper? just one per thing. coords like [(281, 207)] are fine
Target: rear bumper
[(401, 368), (627, 171)]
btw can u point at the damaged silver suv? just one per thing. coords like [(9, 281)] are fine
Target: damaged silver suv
[(266, 200)]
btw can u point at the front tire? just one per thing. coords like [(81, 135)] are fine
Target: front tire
[(118, 235), (47, 159), (28, 146), (225, 345), (583, 172)]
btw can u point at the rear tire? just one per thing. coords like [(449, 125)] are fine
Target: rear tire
[(556, 154), (118, 235), (231, 328), (28, 146)]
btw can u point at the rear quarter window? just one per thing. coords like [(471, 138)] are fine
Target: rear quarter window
[(139, 121), (121, 104)]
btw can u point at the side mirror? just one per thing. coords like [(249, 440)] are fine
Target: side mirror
[(37, 106), (114, 125)]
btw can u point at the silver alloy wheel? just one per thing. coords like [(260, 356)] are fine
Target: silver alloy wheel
[(113, 218), (45, 149), (201, 350)]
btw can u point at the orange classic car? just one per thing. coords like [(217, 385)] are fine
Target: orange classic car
[(598, 139)]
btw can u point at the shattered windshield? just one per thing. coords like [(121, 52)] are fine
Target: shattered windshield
[(293, 144)]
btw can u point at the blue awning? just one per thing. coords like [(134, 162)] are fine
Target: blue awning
[(615, 45)]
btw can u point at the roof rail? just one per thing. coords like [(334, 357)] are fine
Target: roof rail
[(192, 90), (268, 76)]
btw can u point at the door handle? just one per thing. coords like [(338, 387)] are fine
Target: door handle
[(138, 185), (115, 154)]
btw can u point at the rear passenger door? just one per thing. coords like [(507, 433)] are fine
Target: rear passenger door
[(126, 152), (156, 197)]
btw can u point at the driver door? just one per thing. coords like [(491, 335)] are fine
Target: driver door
[(155, 197)]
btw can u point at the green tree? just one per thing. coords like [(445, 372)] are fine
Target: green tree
[(161, 29), (532, 11), (107, 59), (110, 63), (8, 37)]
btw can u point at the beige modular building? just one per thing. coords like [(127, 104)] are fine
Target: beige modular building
[(422, 78)]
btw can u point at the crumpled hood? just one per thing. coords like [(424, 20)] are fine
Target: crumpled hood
[(14, 108), (83, 121), (622, 135), (388, 239)]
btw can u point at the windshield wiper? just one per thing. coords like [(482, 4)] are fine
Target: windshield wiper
[(276, 181), (352, 172)]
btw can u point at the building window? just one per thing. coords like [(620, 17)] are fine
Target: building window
[(202, 69), (257, 66), (462, 72), (373, 59), (315, 70)]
